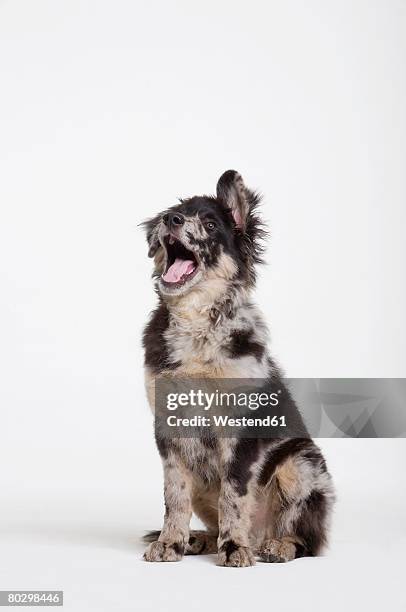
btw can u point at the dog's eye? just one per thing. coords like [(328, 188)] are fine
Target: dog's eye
[(210, 225)]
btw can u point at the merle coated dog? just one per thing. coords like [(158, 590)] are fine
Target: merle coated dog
[(271, 499)]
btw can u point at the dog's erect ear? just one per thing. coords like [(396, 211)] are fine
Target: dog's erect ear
[(151, 227), (232, 191)]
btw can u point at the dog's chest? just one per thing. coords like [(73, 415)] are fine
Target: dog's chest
[(201, 347), (198, 456), (195, 344)]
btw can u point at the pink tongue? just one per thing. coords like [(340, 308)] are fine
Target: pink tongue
[(178, 269)]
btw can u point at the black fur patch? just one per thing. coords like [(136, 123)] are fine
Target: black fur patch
[(162, 446), (156, 350), (239, 471), (311, 525), (208, 442), (242, 344), (236, 511), (178, 548), (209, 249), (229, 547), (300, 551)]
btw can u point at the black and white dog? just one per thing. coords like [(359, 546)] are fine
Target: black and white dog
[(266, 499)]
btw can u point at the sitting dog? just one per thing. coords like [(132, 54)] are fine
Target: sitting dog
[(269, 499)]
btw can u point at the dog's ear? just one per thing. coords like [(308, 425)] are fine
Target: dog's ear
[(232, 191), (151, 228)]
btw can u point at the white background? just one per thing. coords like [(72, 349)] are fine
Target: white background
[(109, 112)]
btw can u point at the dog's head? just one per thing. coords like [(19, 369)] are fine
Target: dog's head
[(205, 238)]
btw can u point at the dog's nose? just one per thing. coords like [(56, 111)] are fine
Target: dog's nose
[(173, 219)]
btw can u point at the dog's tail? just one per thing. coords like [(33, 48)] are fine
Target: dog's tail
[(151, 536)]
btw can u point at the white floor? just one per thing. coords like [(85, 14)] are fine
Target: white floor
[(85, 540)]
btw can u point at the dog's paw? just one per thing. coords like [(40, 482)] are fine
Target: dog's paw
[(161, 551), (232, 555), (201, 543), (277, 551)]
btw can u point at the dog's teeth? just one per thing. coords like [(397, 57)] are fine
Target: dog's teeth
[(171, 240)]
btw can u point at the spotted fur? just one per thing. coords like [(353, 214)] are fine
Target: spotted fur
[(259, 499)]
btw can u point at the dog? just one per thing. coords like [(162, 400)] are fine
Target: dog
[(260, 499)]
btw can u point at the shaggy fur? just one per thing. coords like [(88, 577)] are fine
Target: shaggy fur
[(259, 499)]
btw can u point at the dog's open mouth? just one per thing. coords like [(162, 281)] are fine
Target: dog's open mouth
[(181, 263)]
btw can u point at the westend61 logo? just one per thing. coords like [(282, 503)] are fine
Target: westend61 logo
[(218, 399)]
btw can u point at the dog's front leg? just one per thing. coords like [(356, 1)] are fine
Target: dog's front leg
[(236, 503), (174, 536)]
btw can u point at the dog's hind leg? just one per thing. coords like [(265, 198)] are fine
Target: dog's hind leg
[(300, 500)]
